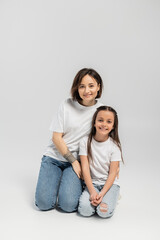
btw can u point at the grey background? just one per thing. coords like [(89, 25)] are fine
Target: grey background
[(42, 46)]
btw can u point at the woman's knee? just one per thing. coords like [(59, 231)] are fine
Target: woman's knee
[(43, 202), (68, 204)]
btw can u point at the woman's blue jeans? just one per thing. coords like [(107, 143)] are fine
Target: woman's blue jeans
[(57, 183)]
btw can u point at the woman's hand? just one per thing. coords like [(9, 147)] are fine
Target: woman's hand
[(77, 168)]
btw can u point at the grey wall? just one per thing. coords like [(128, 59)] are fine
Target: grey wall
[(42, 46)]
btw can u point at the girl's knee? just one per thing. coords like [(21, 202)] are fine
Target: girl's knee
[(104, 211), (85, 210)]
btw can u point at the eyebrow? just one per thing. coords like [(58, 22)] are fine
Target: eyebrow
[(84, 84), (107, 119)]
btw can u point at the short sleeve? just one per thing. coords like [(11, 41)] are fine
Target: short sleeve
[(57, 124), (116, 154), (83, 147)]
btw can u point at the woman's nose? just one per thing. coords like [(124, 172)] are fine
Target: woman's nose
[(87, 89)]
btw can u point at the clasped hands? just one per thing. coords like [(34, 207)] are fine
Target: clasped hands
[(96, 198)]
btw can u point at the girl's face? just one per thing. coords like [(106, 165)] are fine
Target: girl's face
[(104, 123), (87, 90)]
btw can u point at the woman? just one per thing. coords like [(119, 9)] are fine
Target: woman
[(60, 173)]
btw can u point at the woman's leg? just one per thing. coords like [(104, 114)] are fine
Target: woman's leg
[(48, 183), (70, 190), (85, 208), (106, 208)]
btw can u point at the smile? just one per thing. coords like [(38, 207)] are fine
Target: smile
[(88, 95), (103, 129)]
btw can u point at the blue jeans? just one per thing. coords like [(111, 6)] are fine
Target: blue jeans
[(57, 182), (105, 210)]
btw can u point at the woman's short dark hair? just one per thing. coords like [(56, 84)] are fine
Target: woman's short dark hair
[(78, 78)]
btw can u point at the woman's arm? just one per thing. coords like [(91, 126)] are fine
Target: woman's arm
[(61, 146), (110, 180), (87, 177)]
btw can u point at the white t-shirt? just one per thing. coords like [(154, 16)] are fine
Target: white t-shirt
[(74, 120), (103, 153)]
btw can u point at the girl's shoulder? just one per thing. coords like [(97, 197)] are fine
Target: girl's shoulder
[(113, 145), (84, 140)]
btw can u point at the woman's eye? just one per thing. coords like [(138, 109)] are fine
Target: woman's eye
[(81, 87), (100, 120), (91, 86)]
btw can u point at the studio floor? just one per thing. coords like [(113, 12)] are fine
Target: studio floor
[(136, 215)]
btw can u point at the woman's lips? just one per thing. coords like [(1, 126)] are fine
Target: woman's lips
[(88, 95)]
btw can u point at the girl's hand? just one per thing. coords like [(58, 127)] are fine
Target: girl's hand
[(98, 199), (93, 196), (77, 168)]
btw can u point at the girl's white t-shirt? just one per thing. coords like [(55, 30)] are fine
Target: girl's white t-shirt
[(103, 153), (74, 121)]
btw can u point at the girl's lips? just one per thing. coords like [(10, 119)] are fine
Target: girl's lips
[(103, 129)]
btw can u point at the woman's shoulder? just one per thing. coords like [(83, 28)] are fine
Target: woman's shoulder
[(99, 104), (67, 102)]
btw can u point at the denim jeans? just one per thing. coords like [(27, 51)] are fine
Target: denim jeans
[(57, 183), (86, 209)]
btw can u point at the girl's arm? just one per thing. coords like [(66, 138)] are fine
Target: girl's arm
[(111, 177), (110, 180), (87, 177), (61, 146)]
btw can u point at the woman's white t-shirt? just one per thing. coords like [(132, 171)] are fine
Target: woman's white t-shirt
[(74, 121), (103, 153)]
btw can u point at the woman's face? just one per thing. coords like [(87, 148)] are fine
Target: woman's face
[(88, 89)]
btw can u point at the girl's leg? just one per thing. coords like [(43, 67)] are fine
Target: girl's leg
[(69, 191), (48, 183), (106, 208), (85, 208)]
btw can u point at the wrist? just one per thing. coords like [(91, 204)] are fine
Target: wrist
[(92, 190), (69, 157), (102, 193), (74, 162)]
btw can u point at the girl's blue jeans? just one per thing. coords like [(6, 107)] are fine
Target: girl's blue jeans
[(57, 184), (105, 210)]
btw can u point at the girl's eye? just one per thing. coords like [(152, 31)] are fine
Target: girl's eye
[(81, 86), (91, 86), (100, 120)]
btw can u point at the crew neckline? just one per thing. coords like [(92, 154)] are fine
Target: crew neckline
[(85, 107), (101, 142)]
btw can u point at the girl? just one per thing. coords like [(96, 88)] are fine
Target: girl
[(100, 154), (60, 170)]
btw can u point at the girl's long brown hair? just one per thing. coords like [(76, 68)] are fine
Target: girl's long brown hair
[(113, 134)]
